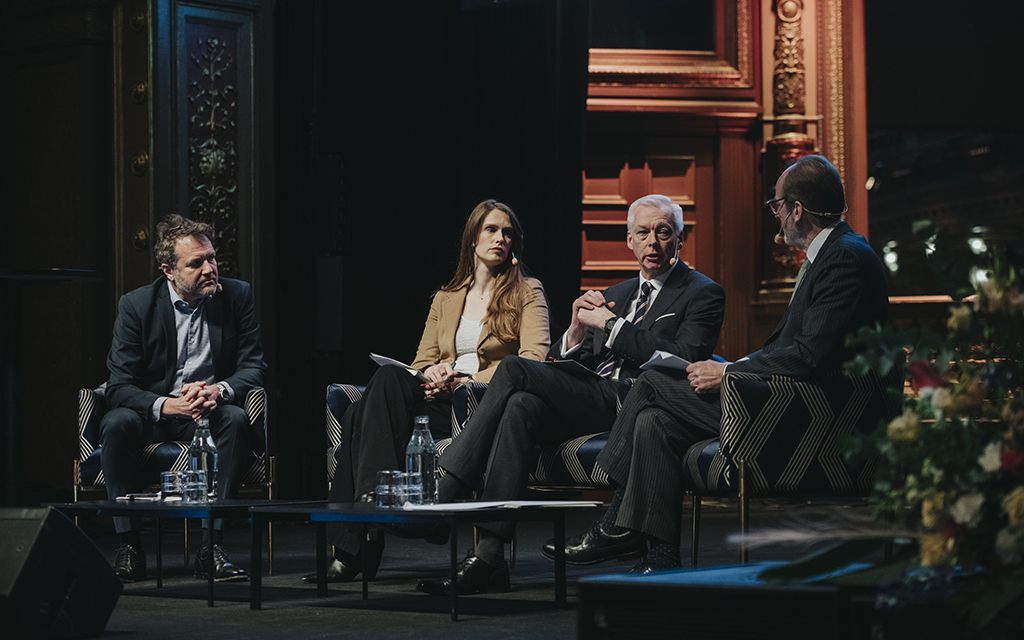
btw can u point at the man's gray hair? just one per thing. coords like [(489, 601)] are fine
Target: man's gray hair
[(674, 211)]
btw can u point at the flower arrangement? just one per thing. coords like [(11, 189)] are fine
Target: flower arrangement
[(952, 465)]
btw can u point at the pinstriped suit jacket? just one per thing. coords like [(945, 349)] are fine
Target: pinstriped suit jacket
[(685, 320), (842, 290)]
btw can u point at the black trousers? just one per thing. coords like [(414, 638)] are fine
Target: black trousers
[(527, 404), (123, 433), (660, 419), (374, 433)]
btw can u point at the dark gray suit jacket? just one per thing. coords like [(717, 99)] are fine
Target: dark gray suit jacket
[(842, 290), (684, 320), (143, 352)]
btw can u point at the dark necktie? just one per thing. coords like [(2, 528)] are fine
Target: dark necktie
[(800, 277), (607, 368)]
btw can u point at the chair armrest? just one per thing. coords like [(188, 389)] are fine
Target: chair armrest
[(92, 406), (339, 398)]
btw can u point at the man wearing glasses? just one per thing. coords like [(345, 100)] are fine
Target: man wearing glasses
[(840, 288)]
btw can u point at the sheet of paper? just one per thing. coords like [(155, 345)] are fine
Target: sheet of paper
[(499, 504), (140, 497), (383, 360), (665, 360), (572, 366)]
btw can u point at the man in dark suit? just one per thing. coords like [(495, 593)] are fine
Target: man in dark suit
[(185, 347), (669, 307), (841, 287)]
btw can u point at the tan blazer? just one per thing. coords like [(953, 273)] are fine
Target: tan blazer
[(438, 342)]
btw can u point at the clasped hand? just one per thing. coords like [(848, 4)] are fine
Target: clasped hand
[(441, 381), (590, 310), (197, 400)]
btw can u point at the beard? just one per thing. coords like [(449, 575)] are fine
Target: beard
[(196, 290)]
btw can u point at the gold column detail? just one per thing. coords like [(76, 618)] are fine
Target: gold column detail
[(830, 83), (788, 86), (744, 62)]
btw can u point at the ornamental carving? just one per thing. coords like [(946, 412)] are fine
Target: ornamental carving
[(212, 144), (788, 80)]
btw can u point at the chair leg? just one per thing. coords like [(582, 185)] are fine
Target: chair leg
[(744, 510), (76, 482), (185, 553), (512, 552), (272, 480), (695, 529)]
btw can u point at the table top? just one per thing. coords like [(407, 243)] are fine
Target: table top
[(459, 513), (176, 509), (42, 276)]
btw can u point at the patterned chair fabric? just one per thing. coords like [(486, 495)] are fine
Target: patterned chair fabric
[(785, 430), (161, 456), (340, 396), (568, 464)]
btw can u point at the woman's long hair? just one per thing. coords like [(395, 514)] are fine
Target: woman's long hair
[(509, 286)]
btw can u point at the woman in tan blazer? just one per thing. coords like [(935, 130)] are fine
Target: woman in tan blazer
[(489, 310)]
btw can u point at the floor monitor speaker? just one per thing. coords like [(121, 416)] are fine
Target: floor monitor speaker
[(54, 582)]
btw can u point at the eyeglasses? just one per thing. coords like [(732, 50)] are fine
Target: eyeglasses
[(774, 204)]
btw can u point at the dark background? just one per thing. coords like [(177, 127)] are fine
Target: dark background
[(392, 120)]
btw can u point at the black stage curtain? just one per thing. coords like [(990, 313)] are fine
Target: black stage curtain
[(393, 120)]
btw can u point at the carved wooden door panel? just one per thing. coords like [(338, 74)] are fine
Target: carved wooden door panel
[(192, 128)]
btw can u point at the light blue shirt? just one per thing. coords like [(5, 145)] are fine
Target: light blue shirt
[(195, 356)]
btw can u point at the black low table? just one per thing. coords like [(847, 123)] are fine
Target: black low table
[(158, 509), (367, 514)]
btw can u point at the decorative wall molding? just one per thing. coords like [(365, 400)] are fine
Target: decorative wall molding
[(655, 73)]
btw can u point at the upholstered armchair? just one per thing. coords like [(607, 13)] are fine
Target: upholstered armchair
[(166, 456), (779, 438)]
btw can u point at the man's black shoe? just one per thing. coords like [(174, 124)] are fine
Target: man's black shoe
[(223, 570), (473, 575), (346, 569), (597, 546), (129, 564)]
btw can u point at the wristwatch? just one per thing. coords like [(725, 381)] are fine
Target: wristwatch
[(610, 324), (224, 394)]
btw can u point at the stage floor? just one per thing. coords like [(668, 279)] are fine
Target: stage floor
[(395, 609)]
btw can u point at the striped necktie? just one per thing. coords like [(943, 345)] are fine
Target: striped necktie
[(607, 368)]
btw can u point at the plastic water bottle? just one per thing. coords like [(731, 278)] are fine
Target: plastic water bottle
[(202, 455), (421, 457)]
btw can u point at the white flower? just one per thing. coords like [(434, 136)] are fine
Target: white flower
[(1009, 545), (967, 509), (990, 460)]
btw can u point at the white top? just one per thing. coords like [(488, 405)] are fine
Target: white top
[(466, 337)]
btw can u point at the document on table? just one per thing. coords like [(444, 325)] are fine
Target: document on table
[(572, 366), (499, 504), (140, 497), (383, 360), (665, 360)]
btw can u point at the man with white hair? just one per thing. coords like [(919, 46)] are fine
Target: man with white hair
[(669, 307)]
